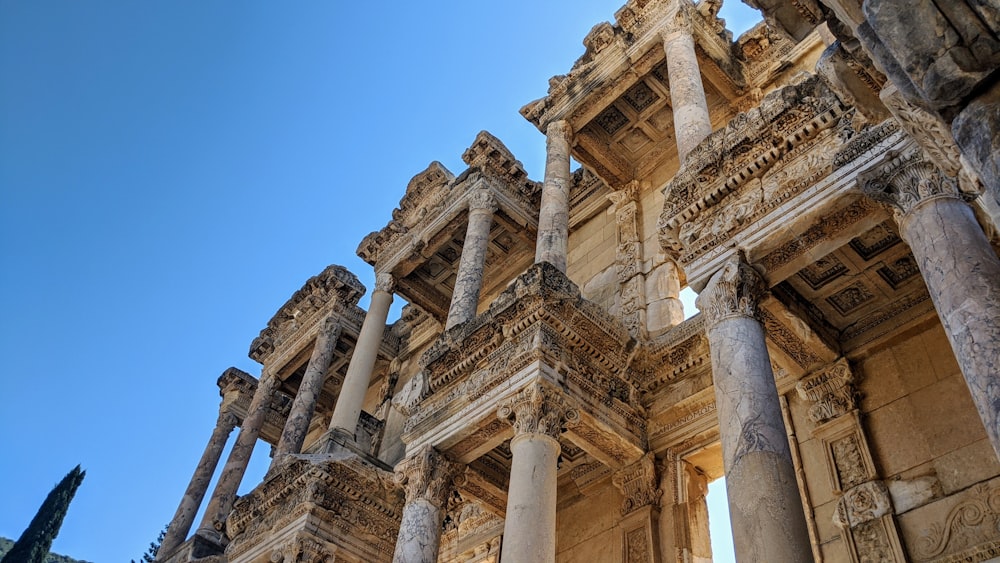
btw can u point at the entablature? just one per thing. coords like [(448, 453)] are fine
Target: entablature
[(422, 244)]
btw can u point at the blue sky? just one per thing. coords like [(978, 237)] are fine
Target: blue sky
[(171, 172)]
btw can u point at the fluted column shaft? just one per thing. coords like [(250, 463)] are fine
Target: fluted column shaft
[(179, 527), (961, 270), (469, 280), (553, 216), (765, 509), (427, 479), (236, 465), (687, 94), (297, 424), (359, 372), (538, 415)]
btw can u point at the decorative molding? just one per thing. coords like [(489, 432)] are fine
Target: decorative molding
[(904, 179), (862, 503), (967, 531)]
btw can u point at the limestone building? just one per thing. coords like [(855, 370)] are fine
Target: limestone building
[(828, 183)]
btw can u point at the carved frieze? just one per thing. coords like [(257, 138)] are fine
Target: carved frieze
[(968, 530), (862, 503), (760, 160)]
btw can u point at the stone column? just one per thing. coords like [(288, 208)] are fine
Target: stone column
[(961, 270), (179, 527), (764, 504), (427, 479), (553, 217), (236, 465), (538, 415), (469, 280), (687, 94), (297, 424), (359, 372)]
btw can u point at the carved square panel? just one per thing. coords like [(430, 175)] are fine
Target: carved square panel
[(640, 96), (823, 271), (611, 120), (635, 139), (662, 120), (875, 241), (851, 297), (899, 271)]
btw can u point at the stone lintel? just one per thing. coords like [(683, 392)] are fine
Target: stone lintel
[(793, 342)]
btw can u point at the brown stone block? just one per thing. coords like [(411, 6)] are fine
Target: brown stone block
[(967, 465), (947, 417), (894, 441)]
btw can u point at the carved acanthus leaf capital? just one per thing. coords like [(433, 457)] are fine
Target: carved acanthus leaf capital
[(831, 391), (227, 420), (482, 199), (385, 282), (904, 179), (638, 484), (537, 409), (427, 475), (734, 291), (560, 129), (679, 23)]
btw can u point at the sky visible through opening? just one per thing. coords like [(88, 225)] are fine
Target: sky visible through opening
[(171, 172)]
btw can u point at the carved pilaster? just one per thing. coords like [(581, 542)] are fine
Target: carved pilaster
[(427, 475), (864, 511), (536, 409), (734, 291), (628, 258), (638, 484), (831, 391), (905, 179)]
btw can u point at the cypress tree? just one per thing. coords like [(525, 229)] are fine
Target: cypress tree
[(35, 542)]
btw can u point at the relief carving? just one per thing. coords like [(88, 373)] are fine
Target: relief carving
[(862, 503), (638, 484), (904, 179), (966, 530), (831, 391)]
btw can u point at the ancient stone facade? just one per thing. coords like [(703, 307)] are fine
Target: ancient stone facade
[(828, 183)]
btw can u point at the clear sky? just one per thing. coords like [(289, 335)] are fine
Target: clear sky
[(172, 171)]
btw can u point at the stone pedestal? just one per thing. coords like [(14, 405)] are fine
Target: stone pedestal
[(538, 415), (179, 527), (553, 217), (232, 473), (687, 94), (469, 280), (961, 270), (359, 372), (427, 479), (764, 504), (297, 424)]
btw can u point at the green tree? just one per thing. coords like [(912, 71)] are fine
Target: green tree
[(154, 547), (34, 543)]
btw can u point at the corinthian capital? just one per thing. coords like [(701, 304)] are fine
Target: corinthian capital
[(536, 409), (427, 475), (904, 179), (638, 484), (560, 130), (482, 199), (385, 282), (734, 291)]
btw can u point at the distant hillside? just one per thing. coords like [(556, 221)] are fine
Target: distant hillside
[(6, 544)]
